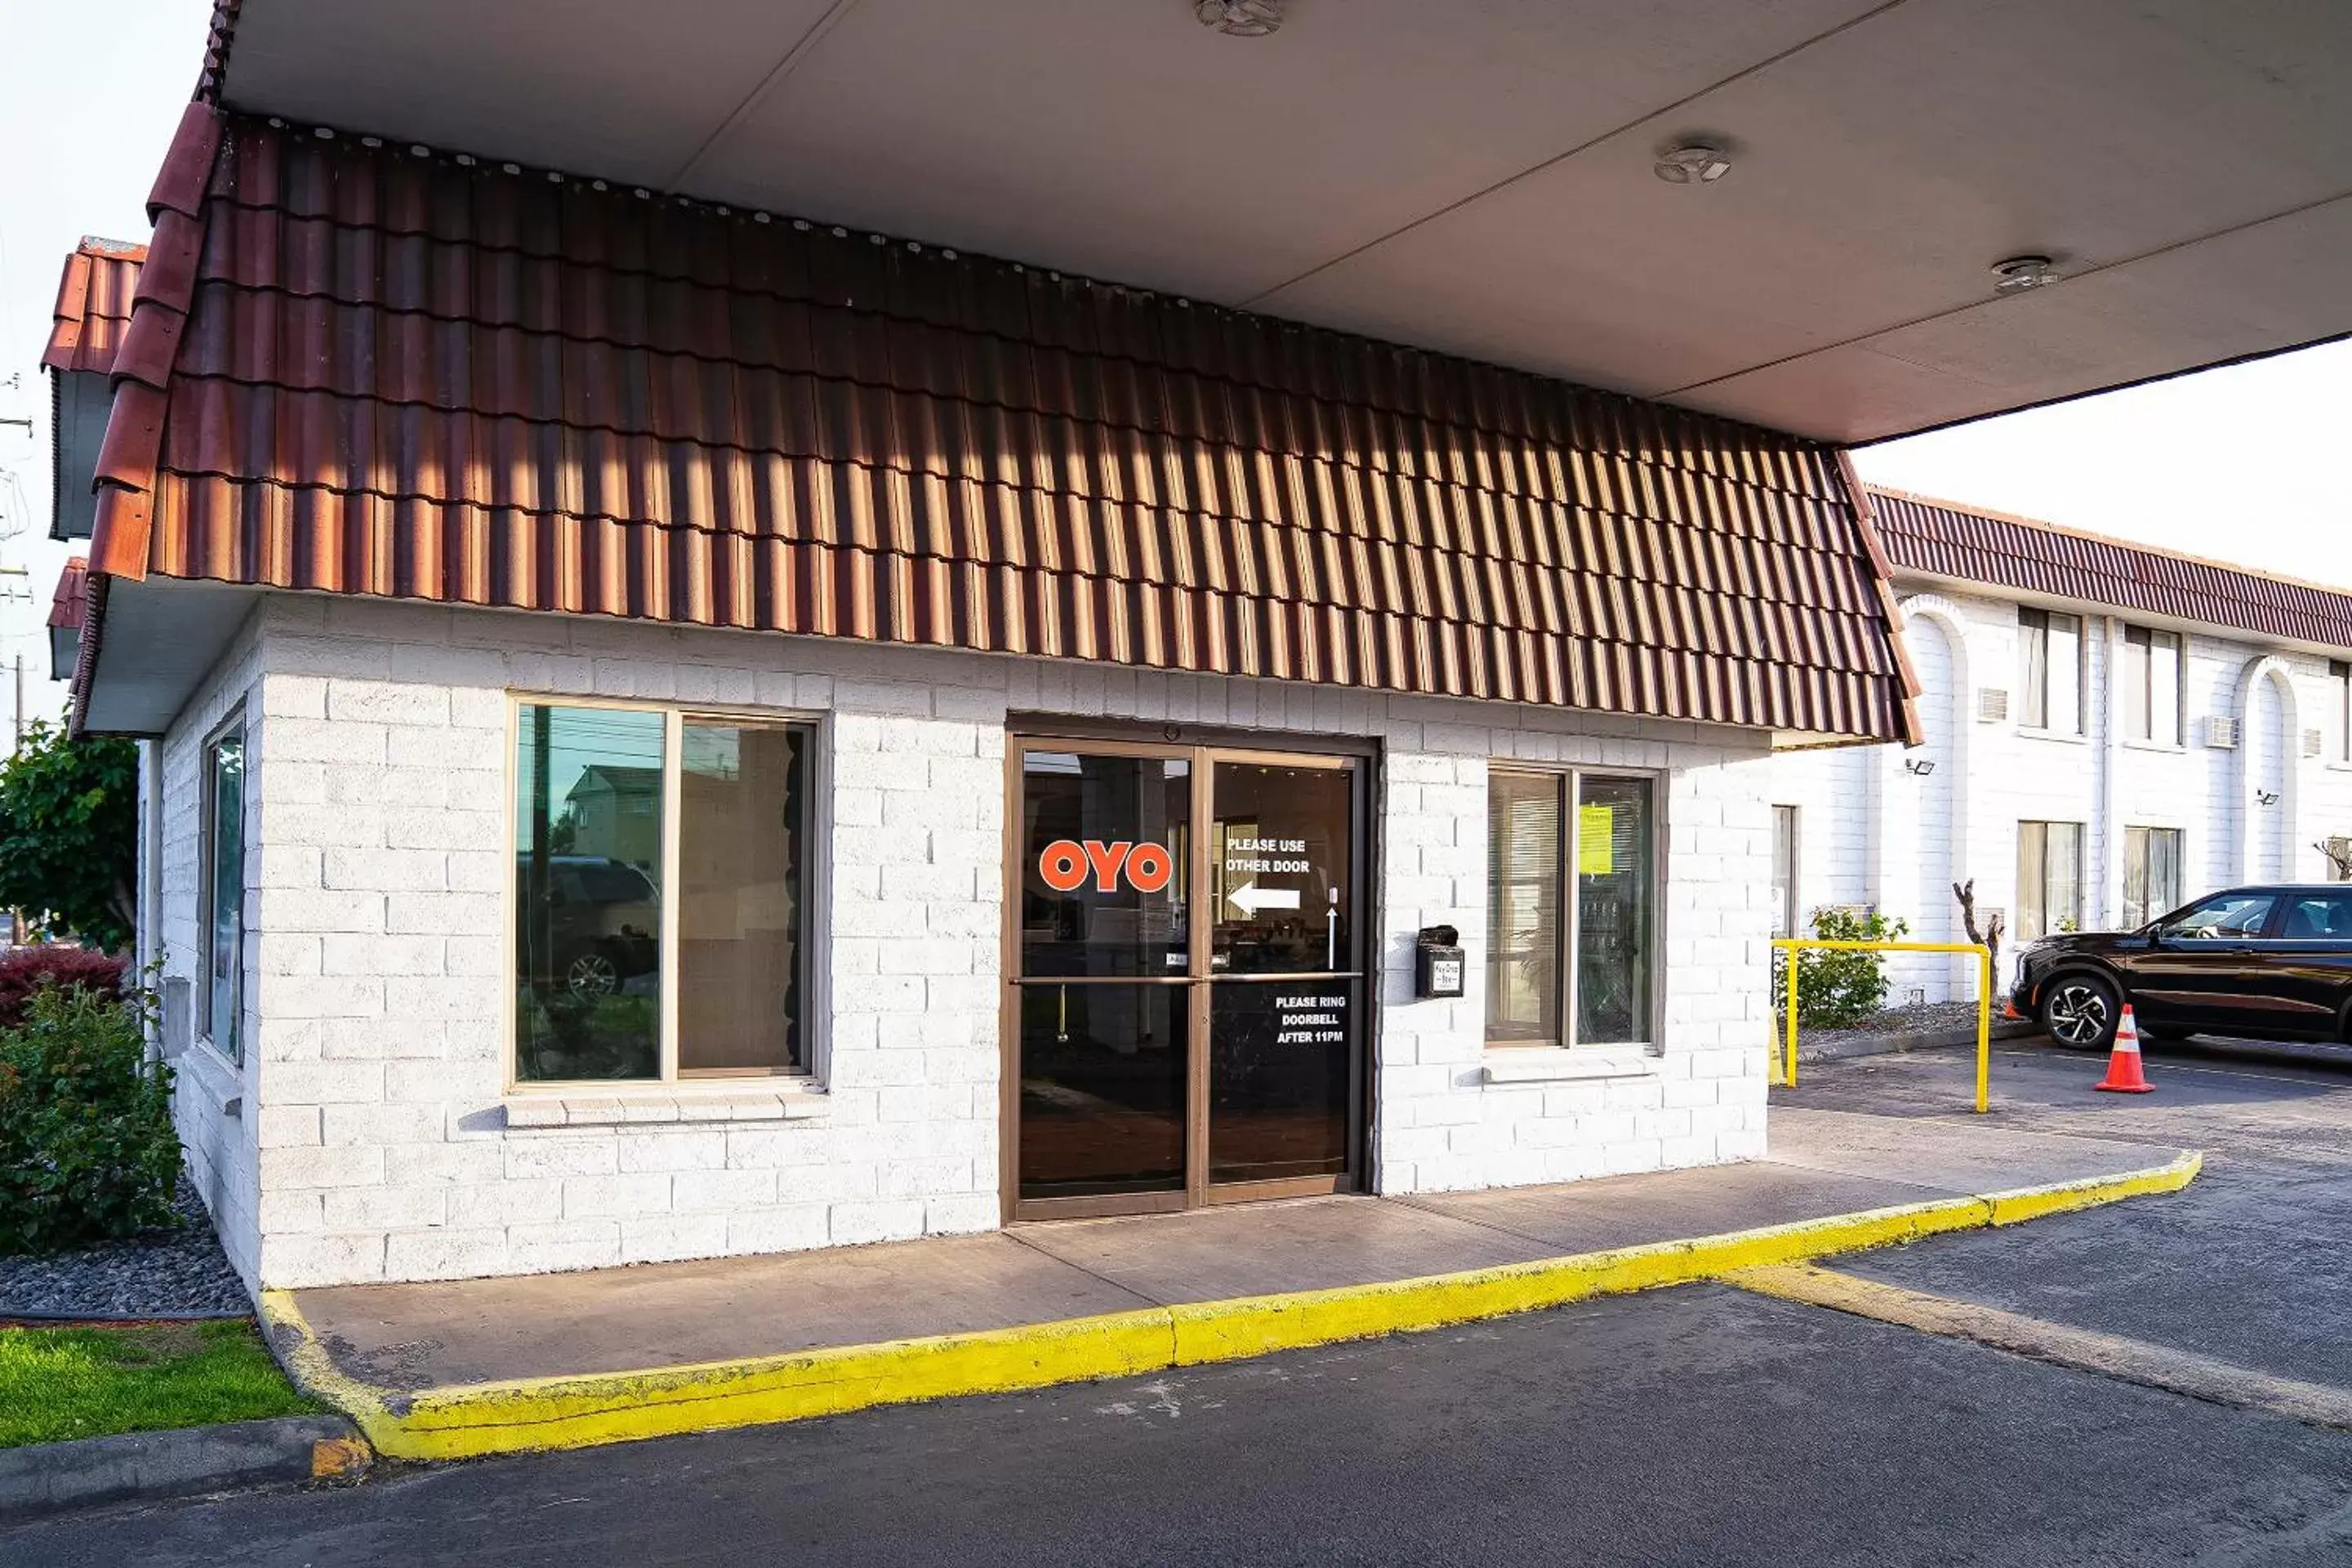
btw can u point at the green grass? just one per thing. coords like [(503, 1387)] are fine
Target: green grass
[(61, 1384)]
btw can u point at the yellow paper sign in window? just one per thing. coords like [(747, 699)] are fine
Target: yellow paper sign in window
[(1596, 840)]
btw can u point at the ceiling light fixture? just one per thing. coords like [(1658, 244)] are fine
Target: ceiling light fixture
[(1240, 18), (2020, 273), (1692, 163)]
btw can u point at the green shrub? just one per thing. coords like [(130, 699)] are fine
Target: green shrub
[(1836, 990), (87, 1148)]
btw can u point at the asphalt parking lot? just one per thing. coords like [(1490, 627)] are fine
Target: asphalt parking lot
[(1704, 1424)]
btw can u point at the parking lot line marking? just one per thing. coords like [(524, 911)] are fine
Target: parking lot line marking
[(2082, 1349), (2173, 1064)]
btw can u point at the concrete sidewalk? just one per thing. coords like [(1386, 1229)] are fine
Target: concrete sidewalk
[(443, 1370)]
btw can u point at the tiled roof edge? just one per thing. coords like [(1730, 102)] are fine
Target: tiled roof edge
[(128, 457), (93, 628), (69, 604), (218, 39), (2227, 596), (71, 315), (1881, 569)]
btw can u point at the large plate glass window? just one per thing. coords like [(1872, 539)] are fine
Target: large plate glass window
[(223, 872), (1571, 908), (2150, 696), (2151, 874), (2048, 878), (2050, 671), (660, 892)]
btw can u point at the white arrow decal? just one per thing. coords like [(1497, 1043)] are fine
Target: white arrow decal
[(1249, 898)]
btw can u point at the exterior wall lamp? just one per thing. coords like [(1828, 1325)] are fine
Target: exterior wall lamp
[(1919, 767)]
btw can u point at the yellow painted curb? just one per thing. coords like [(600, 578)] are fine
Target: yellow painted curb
[(470, 1420)]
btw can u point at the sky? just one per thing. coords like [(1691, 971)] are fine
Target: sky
[(2244, 464)]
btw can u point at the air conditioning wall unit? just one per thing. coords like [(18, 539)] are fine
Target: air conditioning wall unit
[(2313, 742), (1992, 705), (2221, 731)]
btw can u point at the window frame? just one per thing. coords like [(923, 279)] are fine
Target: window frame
[(1789, 902), (208, 868), (2339, 674), (2139, 644), (1567, 781), (2153, 908), (2033, 624), (2050, 926), (815, 832)]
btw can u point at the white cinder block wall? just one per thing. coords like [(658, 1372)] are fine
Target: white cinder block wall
[(380, 1139), (1999, 775), (213, 1098)]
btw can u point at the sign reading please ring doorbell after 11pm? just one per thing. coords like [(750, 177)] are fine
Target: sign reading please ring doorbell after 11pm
[(1065, 864)]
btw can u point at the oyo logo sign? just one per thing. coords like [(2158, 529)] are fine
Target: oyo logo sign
[(1065, 864)]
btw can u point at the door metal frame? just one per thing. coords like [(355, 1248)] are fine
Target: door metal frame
[(1203, 751)]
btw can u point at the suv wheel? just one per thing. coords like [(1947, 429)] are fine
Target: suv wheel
[(2081, 1011), (591, 976)]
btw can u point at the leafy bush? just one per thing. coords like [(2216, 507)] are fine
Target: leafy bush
[(70, 833), (1837, 989), (87, 1148), (25, 970)]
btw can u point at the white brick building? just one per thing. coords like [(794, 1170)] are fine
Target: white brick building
[(374, 1129), (2192, 735), (885, 744)]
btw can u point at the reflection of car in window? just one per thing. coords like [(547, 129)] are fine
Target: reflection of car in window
[(603, 920)]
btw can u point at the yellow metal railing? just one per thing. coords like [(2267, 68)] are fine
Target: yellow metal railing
[(1792, 944)]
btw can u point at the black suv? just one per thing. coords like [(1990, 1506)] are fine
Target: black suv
[(2262, 963)]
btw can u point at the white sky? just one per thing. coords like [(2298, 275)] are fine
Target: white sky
[(2245, 464)]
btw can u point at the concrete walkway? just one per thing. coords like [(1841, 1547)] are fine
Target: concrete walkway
[(478, 1366)]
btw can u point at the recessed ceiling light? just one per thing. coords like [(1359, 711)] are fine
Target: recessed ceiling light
[(1692, 163), (1240, 18), (2020, 273)]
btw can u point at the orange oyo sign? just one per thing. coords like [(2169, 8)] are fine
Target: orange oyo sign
[(1065, 864)]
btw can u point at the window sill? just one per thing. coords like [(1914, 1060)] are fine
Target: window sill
[(660, 1104), (1557, 1063), (2063, 737), (2160, 747)]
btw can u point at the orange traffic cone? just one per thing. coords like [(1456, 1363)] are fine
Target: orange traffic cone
[(2124, 1076)]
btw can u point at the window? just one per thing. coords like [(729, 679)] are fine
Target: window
[(2050, 671), (2227, 917), (660, 885), (2149, 686), (1561, 972), (2339, 702), (2317, 916), (223, 933), (2048, 878), (2151, 874), (1784, 871)]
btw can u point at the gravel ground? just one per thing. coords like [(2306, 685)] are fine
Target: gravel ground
[(179, 1273), (1908, 1020)]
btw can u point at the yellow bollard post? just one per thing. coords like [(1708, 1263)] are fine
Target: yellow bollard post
[(1789, 1075), (1984, 1031)]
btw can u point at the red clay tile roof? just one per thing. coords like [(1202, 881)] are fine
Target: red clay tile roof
[(93, 305), (70, 606), (366, 370), (1945, 539)]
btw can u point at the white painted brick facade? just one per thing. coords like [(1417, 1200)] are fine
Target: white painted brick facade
[(375, 1141), (1961, 821)]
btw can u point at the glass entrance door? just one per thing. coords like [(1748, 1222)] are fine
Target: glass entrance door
[(1186, 984)]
